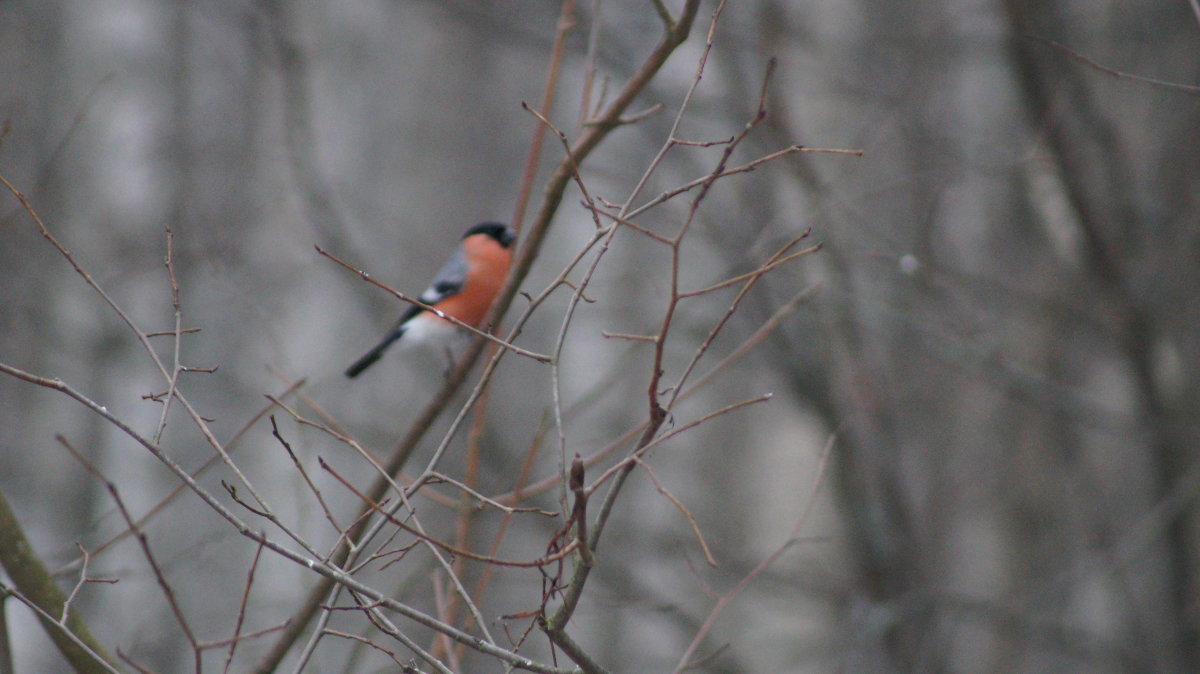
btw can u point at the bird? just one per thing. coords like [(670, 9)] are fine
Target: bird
[(465, 288)]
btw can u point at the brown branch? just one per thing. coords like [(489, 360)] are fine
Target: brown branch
[(626, 222), (172, 333), (168, 398), (83, 577), (485, 500), (633, 338), (574, 651), (751, 280), (384, 625), (579, 512), (643, 448), (502, 530), (599, 455)]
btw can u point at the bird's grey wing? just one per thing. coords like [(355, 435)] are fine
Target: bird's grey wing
[(448, 281)]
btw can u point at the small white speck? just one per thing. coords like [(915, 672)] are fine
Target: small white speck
[(104, 409), (909, 264)]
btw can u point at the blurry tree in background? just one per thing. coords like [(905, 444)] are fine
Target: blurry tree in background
[(979, 454)]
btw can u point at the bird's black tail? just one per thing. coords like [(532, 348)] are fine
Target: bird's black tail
[(373, 355)]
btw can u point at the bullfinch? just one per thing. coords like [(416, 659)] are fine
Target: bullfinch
[(465, 288)]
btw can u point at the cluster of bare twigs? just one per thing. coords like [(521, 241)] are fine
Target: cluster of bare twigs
[(389, 527)]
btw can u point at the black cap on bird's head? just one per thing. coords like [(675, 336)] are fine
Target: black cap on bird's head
[(503, 234)]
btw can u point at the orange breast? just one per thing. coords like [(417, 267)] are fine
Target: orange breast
[(488, 264)]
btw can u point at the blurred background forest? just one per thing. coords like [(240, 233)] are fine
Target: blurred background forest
[(1001, 332)]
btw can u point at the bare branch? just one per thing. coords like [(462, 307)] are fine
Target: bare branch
[(744, 168), (170, 498), (90, 657)]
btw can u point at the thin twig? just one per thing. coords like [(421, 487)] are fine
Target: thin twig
[(506, 520), (761, 271), (744, 168), (751, 280), (488, 501), (404, 667), (555, 626), (1175, 86), (241, 614), (304, 474), (168, 591), (682, 509), (176, 343), (628, 436), (181, 488), (634, 338), (646, 445)]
